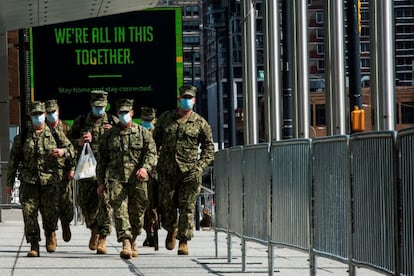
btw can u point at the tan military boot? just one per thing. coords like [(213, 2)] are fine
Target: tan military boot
[(182, 248), (93, 241), (171, 239), (34, 250), (66, 234), (51, 241), (126, 252), (134, 245), (101, 248)]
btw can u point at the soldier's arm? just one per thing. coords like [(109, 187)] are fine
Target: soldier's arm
[(102, 159), (206, 146), (150, 153), (69, 151), (16, 156)]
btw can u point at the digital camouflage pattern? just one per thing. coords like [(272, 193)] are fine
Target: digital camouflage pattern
[(180, 167), (121, 153), (66, 164), (38, 178), (96, 211)]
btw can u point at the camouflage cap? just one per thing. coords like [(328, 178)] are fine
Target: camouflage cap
[(148, 113), (99, 97), (188, 90), (51, 105), (124, 104), (37, 107)]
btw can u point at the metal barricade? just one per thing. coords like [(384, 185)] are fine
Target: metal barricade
[(405, 142), (373, 170), (331, 198)]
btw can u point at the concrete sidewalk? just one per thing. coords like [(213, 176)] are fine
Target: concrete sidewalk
[(74, 258)]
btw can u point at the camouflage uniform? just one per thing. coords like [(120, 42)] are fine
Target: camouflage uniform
[(180, 166), (121, 153), (66, 164), (151, 222), (38, 176), (95, 210)]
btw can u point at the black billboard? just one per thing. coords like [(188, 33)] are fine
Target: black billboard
[(134, 55)]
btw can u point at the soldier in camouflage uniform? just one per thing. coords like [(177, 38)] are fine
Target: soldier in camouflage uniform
[(126, 156), (151, 223), (95, 209), (66, 172), (36, 155), (178, 135)]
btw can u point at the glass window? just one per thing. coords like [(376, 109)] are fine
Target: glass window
[(320, 33), (320, 115), (407, 112), (319, 17)]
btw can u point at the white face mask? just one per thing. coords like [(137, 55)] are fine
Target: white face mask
[(124, 118), (52, 117), (38, 120)]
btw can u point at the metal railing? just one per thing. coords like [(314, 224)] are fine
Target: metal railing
[(348, 198)]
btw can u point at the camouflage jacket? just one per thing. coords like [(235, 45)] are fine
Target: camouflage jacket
[(179, 142), (33, 156), (94, 126), (123, 151), (66, 162)]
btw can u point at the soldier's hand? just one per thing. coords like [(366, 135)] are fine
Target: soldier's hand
[(9, 190), (101, 190), (107, 126), (57, 152), (85, 138), (71, 175), (142, 174)]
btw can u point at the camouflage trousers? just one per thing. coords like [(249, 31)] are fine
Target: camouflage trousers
[(151, 216), (179, 191), (128, 201), (35, 198), (96, 210), (65, 201)]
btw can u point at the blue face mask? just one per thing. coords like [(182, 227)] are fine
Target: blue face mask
[(98, 111), (38, 120), (124, 118), (147, 125), (52, 117), (186, 104)]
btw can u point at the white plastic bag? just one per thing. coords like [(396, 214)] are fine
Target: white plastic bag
[(86, 167)]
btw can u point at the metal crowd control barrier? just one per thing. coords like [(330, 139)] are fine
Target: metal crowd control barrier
[(373, 169), (405, 142), (338, 197), (331, 197)]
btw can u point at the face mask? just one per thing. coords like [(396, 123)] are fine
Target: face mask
[(98, 111), (52, 117), (186, 104), (124, 118), (38, 120), (147, 125)]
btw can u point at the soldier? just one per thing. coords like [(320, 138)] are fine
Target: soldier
[(66, 170), (151, 223), (127, 155), (178, 135), (95, 209), (36, 155)]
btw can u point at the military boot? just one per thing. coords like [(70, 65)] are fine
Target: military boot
[(182, 248), (134, 245), (93, 241), (34, 250), (149, 240), (51, 241), (171, 239), (66, 234), (101, 248), (126, 252)]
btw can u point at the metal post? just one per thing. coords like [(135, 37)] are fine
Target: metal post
[(230, 80), (287, 70), (219, 94), (354, 59)]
